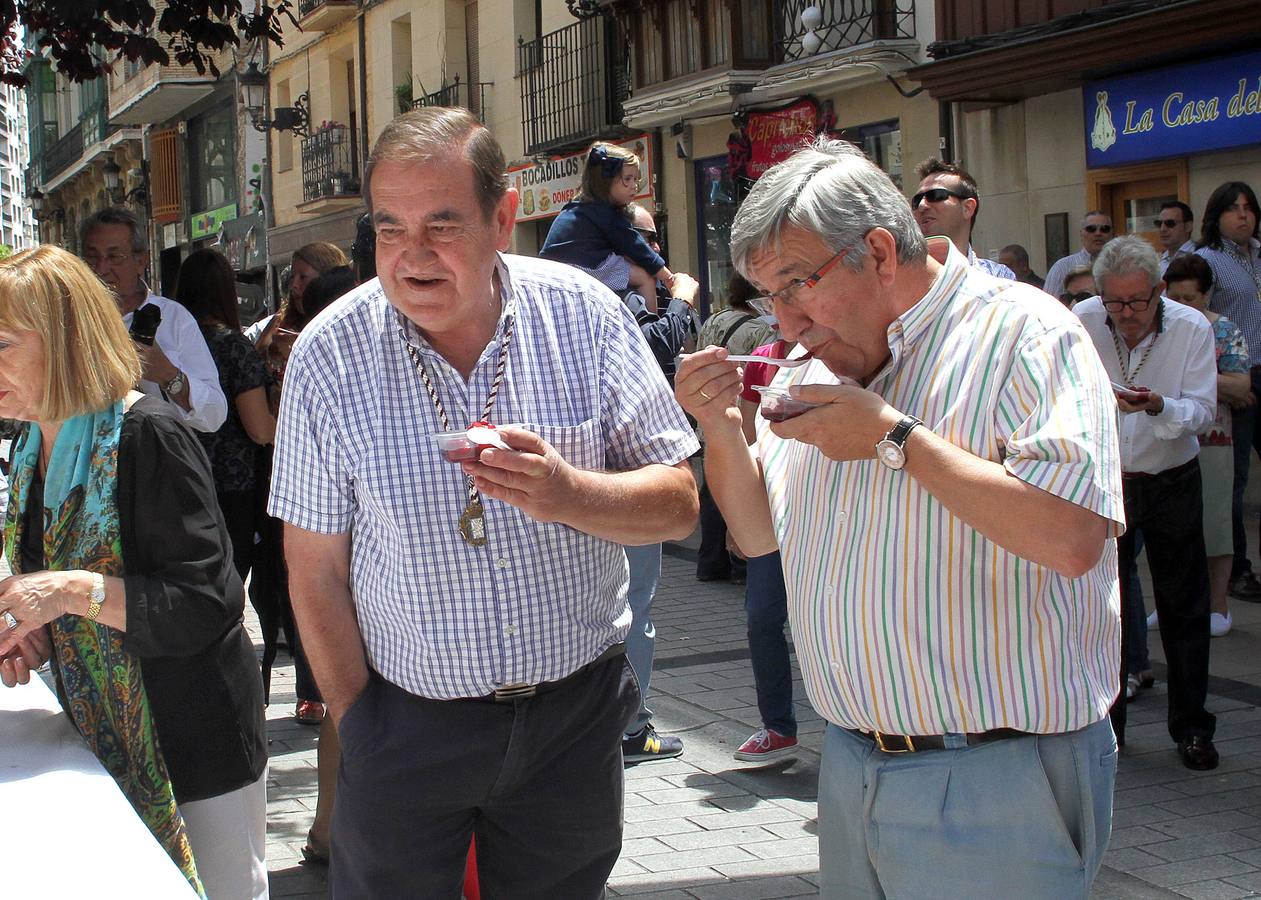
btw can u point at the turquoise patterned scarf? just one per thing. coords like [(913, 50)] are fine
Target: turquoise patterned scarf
[(98, 680)]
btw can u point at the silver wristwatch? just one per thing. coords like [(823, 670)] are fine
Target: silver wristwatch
[(891, 451), (175, 385)]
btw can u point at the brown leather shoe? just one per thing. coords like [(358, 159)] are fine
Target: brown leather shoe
[(309, 712), (1198, 753)]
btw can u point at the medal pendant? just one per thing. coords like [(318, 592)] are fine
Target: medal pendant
[(473, 524)]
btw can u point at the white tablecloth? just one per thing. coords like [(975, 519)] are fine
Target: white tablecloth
[(67, 830)]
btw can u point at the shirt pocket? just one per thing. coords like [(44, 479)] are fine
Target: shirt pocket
[(582, 446)]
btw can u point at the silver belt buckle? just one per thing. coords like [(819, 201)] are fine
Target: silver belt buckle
[(507, 692)]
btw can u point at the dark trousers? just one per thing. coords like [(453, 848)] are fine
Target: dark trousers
[(712, 559), (238, 512), (1242, 434), (766, 611), (269, 593), (538, 781), (1168, 509), (1135, 613)]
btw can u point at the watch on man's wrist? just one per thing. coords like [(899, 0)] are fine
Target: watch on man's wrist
[(892, 450), (175, 385)]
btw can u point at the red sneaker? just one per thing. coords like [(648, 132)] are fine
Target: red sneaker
[(309, 712), (766, 746)]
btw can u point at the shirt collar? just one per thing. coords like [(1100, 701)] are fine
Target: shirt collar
[(906, 329)]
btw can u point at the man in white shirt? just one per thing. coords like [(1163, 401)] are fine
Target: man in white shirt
[(178, 366), (1161, 356), (1174, 222), (1096, 230), (946, 203)]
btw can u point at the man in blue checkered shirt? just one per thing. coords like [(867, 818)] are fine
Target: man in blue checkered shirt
[(465, 619)]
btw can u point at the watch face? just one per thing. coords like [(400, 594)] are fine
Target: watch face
[(890, 454)]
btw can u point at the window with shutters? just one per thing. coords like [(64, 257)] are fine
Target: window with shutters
[(164, 176)]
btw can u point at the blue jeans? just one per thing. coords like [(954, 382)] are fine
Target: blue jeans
[(1136, 658), (766, 609), (645, 572), (1026, 817)]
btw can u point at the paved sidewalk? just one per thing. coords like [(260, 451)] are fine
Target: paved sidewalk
[(702, 827)]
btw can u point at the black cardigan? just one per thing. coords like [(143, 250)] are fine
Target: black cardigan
[(184, 608)]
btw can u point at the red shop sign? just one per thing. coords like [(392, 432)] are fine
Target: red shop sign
[(776, 134)]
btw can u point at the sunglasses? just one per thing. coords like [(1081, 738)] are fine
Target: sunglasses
[(1166, 223), (649, 235), (938, 195), (1078, 297), (1091, 229)]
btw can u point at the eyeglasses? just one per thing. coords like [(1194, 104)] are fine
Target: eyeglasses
[(1136, 305), (938, 195), (765, 305), (1091, 229), (649, 235), (114, 258), (1077, 297), (1166, 223)]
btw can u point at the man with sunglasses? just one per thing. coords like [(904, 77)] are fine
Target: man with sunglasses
[(944, 515), (1161, 356), (1096, 230), (947, 203), (1173, 224)]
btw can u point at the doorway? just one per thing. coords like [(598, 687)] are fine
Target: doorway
[(1132, 195)]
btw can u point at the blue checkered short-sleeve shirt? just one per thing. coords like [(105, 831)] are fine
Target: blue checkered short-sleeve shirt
[(439, 617)]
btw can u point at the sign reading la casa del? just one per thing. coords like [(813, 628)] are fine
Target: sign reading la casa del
[(1204, 106)]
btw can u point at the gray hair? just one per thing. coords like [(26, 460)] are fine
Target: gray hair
[(1095, 212), (832, 190), (1126, 255), (115, 215)]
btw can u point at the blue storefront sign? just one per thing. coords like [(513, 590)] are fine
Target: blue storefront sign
[(1176, 111)]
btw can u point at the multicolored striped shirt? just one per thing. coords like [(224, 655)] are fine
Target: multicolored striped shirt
[(905, 619)]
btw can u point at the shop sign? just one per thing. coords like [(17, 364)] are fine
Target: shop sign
[(774, 135), (1180, 110), (208, 223), (544, 188)]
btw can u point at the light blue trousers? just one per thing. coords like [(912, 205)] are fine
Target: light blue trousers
[(645, 572), (1025, 817)]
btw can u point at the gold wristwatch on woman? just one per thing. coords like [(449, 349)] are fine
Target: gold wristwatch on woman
[(97, 597)]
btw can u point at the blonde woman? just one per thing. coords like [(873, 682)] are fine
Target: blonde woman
[(121, 556)]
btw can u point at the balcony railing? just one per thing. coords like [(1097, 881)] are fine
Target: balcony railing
[(62, 154), (846, 23), (329, 167), (573, 82), (458, 93)]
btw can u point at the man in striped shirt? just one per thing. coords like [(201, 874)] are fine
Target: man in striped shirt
[(1096, 230), (946, 518), (464, 608)]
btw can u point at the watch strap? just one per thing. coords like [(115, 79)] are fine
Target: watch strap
[(97, 597), (899, 432)]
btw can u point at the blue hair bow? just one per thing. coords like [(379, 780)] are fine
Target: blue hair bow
[(609, 165)]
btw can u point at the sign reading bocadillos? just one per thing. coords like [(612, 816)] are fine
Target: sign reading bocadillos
[(1210, 105), (545, 188)]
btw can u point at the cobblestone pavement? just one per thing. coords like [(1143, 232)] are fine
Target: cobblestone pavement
[(702, 827)]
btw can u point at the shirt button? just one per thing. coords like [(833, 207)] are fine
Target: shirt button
[(842, 517), (831, 588), (510, 630), (501, 563)]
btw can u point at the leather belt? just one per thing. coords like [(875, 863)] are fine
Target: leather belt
[(507, 693), (908, 743)]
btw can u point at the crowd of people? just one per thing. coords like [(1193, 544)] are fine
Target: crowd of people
[(472, 629)]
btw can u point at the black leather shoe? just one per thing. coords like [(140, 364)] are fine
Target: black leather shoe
[(1198, 753), (1246, 587)]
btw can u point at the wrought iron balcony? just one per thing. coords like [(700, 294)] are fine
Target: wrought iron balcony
[(63, 153), (845, 23), (329, 167), (573, 82), (324, 15), (464, 94)]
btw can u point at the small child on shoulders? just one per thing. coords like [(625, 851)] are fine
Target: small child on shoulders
[(593, 232)]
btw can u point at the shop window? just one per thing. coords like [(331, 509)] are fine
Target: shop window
[(212, 159), (1132, 194), (882, 142), (717, 199)]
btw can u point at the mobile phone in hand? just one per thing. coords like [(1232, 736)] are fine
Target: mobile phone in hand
[(1130, 394)]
